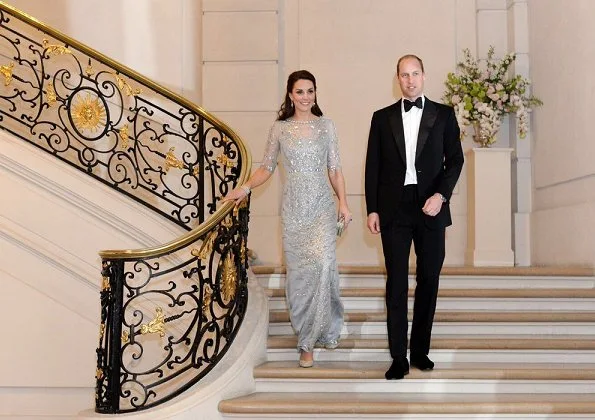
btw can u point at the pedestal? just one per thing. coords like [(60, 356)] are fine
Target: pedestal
[(489, 201)]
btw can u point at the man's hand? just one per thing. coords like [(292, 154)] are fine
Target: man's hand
[(374, 223), (433, 205)]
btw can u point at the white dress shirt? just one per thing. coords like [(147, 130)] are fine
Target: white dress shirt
[(411, 121)]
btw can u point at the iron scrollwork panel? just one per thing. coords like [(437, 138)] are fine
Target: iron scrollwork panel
[(113, 127), (179, 315)]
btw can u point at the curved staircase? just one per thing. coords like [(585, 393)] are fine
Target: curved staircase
[(508, 343), (95, 154)]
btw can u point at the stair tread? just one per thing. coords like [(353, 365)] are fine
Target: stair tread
[(394, 403), (376, 341), (279, 316), (375, 370), (566, 271), (363, 292)]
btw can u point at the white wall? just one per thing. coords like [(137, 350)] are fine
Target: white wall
[(352, 47), (562, 60), (242, 78), (158, 39)]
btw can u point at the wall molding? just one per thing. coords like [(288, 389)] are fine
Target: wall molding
[(564, 182), (48, 253)]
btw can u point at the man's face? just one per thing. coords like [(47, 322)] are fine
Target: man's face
[(411, 78)]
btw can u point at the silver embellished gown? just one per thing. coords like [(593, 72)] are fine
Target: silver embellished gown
[(309, 216)]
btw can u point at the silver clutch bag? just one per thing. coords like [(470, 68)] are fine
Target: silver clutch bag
[(340, 225)]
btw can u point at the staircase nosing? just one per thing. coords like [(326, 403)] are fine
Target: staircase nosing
[(483, 343), (355, 403), (327, 372), (555, 271), (353, 292), (282, 316)]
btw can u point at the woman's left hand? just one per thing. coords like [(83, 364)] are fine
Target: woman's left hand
[(346, 214)]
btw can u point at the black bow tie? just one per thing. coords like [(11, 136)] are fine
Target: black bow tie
[(408, 104)]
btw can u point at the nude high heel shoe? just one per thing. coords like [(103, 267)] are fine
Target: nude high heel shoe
[(306, 363)]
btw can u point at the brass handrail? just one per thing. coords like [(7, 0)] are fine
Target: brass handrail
[(178, 243)]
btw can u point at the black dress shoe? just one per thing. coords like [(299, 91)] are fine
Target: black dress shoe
[(398, 369), (422, 362)]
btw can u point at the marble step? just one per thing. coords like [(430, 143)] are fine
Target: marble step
[(463, 271), (471, 342), (504, 293), (537, 317), (445, 323), (456, 277), (442, 370), (503, 355), (467, 303), (336, 405), (466, 349), (477, 378)]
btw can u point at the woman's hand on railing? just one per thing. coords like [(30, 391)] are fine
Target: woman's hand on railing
[(238, 195)]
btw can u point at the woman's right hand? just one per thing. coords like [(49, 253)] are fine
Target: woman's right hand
[(238, 195)]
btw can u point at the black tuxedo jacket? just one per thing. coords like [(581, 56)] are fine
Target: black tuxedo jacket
[(438, 161)]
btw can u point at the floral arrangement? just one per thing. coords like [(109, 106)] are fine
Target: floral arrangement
[(481, 96)]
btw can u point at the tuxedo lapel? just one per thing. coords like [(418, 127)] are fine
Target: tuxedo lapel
[(428, 118), (396, 124)]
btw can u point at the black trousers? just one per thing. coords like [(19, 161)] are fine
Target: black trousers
[(409, 226)]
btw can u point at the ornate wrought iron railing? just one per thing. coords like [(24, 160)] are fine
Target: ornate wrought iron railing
[(168, 314), (160, 335), (112, 123)]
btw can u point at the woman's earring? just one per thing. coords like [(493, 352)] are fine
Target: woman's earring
[(292, 104)]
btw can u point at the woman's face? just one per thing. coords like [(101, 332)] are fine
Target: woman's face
[(303, 95)]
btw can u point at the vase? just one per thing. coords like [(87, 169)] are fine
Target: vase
[(480, 138)]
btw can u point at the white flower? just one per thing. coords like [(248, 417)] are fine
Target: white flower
[(482, 96)]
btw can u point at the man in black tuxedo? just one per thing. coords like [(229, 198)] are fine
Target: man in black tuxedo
[(413, 162)]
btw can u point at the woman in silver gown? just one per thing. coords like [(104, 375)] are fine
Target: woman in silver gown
[(308, 145)]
